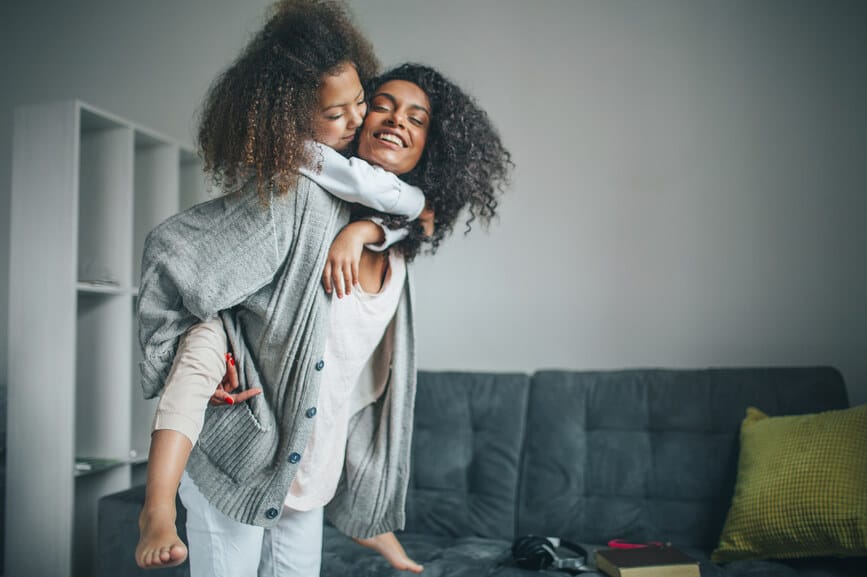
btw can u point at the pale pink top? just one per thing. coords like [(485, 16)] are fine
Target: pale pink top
[(357, 324)]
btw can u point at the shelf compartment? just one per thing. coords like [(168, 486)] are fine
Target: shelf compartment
[(105, 200), (157, 173), (102, 391)]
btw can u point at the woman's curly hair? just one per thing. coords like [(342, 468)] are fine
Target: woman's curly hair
[(464, 163), (260, 111)]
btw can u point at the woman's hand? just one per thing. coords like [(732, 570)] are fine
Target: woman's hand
[(223, 395), (341, 268)]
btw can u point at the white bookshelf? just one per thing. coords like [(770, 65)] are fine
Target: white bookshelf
[(87, 186)]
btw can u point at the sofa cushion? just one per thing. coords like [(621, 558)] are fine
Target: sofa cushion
[(441, 556), (648, 454), (466, 448), (801, 488)]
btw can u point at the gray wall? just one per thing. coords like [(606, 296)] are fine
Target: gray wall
[(690, 188)]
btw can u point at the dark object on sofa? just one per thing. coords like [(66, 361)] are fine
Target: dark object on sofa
[(588, 456)]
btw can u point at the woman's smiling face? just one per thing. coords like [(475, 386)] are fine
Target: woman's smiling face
[(395, 130)]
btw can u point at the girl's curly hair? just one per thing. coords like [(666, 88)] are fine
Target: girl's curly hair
[(259, 112), (464, 163)]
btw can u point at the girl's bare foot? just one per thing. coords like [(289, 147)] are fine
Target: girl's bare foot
[(389, 547), (159, 544)]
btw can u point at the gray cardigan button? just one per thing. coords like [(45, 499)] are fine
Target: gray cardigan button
[(272, 513), (294, 458), (320, 365), (311, 412)]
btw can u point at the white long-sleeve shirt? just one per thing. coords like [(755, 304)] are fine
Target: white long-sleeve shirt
[(356, 180)]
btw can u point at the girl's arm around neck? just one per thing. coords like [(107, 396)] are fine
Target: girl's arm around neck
[(355, 180)]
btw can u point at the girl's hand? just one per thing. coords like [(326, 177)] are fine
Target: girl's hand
[(341, 268), (223, 395)]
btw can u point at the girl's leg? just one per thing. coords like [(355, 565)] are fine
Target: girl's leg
[(159, 544), (197, 369), (294, 547), (219, 545)]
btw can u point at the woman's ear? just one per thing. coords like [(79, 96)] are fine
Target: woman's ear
[(426, 219)]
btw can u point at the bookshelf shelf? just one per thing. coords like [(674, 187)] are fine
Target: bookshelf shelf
[(87, 187), (104, 288), (90, 466)]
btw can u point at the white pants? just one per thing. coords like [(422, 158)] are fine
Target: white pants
[(222, 547)]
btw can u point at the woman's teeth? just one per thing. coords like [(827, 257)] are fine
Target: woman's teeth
[(391, 138)]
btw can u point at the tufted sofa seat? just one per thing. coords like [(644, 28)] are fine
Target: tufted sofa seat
[(643, 454)]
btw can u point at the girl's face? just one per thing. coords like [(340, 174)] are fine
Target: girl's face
[(341, 108), (395, 130)]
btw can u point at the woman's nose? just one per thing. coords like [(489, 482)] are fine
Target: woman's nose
[(396, 118)]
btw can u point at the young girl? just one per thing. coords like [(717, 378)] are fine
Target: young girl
[(306, 49)]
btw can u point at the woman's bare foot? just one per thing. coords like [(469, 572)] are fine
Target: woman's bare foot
[(159, 544), (389, 547)]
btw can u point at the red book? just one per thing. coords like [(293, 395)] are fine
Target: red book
[(646, 562)]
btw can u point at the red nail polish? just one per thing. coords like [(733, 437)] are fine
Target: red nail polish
[(230, 401), (232, 361)]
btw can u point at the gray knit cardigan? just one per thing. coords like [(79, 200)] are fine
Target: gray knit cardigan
[(259, 268)]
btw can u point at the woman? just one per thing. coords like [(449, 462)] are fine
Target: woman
[(276, 318)]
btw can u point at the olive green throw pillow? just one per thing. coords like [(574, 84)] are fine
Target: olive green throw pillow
[(801, 488)]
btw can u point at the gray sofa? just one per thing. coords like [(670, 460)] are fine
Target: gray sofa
[(587, 456)]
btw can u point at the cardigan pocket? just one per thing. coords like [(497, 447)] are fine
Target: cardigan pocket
[(236, 442)]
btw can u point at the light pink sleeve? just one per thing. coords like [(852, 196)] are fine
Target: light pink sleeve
[(199, 366)]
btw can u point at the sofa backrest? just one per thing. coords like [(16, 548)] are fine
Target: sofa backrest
[(648, 454), (466, 451)]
